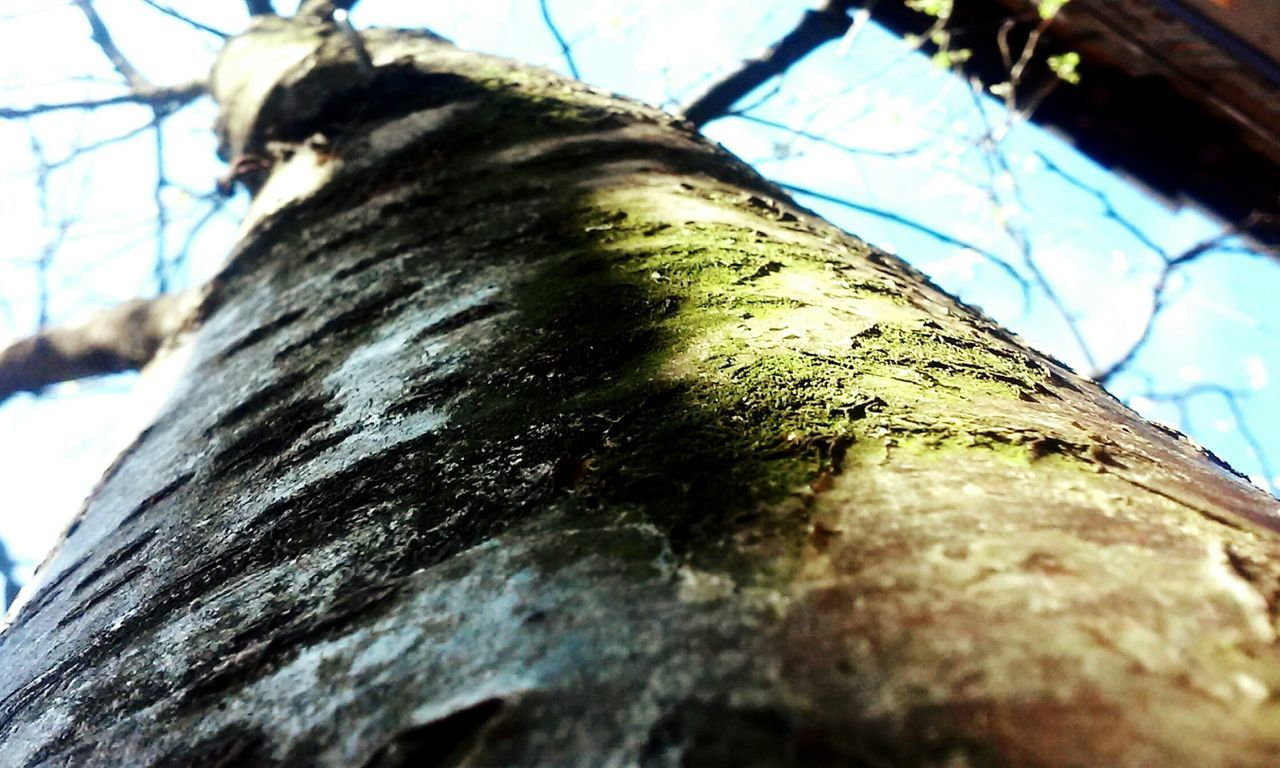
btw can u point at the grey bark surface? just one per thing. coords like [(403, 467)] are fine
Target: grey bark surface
[(527, 427)]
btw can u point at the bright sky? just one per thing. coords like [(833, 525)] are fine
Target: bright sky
[(869, 92)]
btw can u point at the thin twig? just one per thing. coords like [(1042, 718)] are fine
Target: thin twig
[(166, 98), (216, 203), (162, 214), (819, 139), (911, 224), (990, 147), (760, 101), (1232, 398), (1109, 210), (44, 262), (560, 41), (76, 152), (166, 10)]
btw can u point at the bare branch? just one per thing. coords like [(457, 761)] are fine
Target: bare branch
[(11, 583), (1219, 243), (1108, 208), (828, 22), (819, 139), (159, 269), (44, 263), (121, 338), (911, 224), (989, 146), (216, 203), (102, 37), (1251, 222), (160, 98), (260, 7), (83, 149), (1233, 399), (564, 45), (166, 10)]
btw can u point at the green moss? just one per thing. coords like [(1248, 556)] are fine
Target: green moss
[(708, 373), (682, 345)]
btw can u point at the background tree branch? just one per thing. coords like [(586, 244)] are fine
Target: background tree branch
[(121, 338), (167, 11), (113, 53), (828, 22), (260, 7), (162, 98)]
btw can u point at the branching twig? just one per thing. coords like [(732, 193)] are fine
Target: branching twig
[(1218, 242), (1171, 262), (1108, 208), (989, 144), (44, 262), (1159, 291), (216, 203), (828, 22)]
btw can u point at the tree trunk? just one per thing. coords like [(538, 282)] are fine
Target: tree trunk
[(527, 427)]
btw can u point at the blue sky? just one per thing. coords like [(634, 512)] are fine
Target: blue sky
[(869, 92)]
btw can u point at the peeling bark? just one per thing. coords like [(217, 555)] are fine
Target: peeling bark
[(527, 427)]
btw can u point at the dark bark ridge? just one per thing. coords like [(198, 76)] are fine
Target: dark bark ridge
[(544, 432)]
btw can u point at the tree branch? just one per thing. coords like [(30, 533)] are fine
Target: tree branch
[(819, 139), (160, 98), (120, 338), (913, 225), (159, 269), (102, 37), (260, 7), (166, 10), (828, 22), (11, 583), (564, 45), (1219, 243)]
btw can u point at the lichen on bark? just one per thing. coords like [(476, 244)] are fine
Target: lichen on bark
[(526, 426)]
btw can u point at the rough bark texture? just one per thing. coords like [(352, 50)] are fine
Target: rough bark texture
[(526, 427)]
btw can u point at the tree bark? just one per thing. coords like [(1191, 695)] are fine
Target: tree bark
[(527, 427)]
